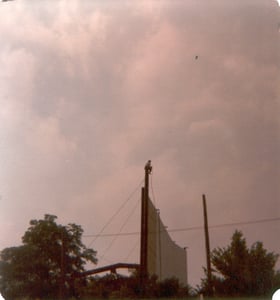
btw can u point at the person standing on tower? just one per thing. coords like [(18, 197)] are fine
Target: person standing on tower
[(148, 167)]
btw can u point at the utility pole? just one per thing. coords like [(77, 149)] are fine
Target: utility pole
[(207, 246), (144, 235), (144, 227)]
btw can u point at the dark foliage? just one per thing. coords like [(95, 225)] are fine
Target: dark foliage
[(169, 288), (47, 264), (242, 271), (117, 286)]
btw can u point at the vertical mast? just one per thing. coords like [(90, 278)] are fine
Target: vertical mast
[(143, 246), (207, 245), (144, 224)]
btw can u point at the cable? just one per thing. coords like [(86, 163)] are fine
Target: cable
[(111, 234), (132, 250), (195, 227), (152, 188), (117, 235), (105, 259), (116, 213), (225, 225), (246, 223)]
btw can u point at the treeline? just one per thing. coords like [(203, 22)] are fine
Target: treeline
[(51, 260), (118, 286), (49, 264)]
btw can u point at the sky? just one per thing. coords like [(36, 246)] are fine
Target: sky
[(91, 90)]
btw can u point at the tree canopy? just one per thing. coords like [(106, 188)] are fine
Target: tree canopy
[(241, 271), (47, 264)]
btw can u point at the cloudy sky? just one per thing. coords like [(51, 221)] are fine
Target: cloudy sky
[(90, 90)]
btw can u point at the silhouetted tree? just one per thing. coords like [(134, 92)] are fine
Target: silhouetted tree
[(239, 270), (118, 287), (48, 262), (169, 287)]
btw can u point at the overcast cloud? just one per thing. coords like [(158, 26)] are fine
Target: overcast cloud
[(90, 90)]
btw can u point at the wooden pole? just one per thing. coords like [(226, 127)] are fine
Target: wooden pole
[(207, 246), (144, 227), (143, 247)]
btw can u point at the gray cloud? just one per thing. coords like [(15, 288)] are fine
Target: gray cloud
[(90, 91)]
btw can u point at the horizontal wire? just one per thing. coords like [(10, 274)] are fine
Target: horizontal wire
[(189, 228)]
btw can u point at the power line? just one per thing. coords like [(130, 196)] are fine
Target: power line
[(115, 214), (132, 250), (247, 223), (226, 225), (191, 228), (111, 234), (105, 259), (152, 188)]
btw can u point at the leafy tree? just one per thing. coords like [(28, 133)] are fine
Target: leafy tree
[(48, 263), (169, 287), (261, 268), (116, 286), (239, 270)]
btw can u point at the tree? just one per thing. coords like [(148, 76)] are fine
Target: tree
[(239, 270), (261, 268), (47, 264), (169, 287)]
